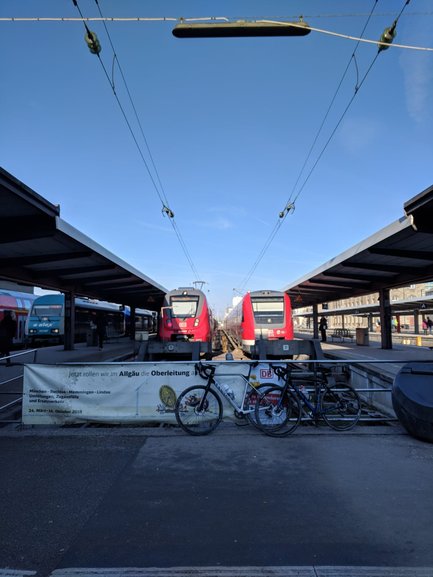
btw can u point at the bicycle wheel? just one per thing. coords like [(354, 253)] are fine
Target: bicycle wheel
[(251, 400), (278, 412), (340, 407), (198, 412)]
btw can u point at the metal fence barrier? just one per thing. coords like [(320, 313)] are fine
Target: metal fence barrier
[(339, 371), (6, 409)]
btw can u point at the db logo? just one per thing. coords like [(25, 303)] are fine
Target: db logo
[(266, 373)]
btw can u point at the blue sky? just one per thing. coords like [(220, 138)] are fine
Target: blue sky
[(229, 123)]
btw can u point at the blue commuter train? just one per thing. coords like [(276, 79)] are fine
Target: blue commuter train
[(46, 321)]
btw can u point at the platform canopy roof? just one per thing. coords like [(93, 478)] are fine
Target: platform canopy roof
[(398, 255), (38, 248)]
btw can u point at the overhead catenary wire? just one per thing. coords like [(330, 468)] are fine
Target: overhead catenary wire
[(116, 59), (200, 18), (355, 93), (262, 253), (347, 36), (277, 226), (226, 19), (123, 113), (290, 205), (290, 200), (161, 194)]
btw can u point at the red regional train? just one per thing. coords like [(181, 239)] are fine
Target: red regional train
[(186, 317), (261, 314), (20, 304)]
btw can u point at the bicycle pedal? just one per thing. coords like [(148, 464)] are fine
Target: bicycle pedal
[(241, 423)]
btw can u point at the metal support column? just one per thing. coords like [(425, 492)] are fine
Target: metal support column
[(385, 318), (132, 324), (315, 322), (69, 320), (416, 322)]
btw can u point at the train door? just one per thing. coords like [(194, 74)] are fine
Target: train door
[(21, 325)]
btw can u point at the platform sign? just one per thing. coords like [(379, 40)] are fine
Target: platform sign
[(118, 393)]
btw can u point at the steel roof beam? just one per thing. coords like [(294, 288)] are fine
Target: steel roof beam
[(380, 267), (10, 185), (413, 254), (126, 288), (336, 284), (308, 290), (70, 273), (144, 287), (107, 279), (14, 229), (43, 259), (355, 277)]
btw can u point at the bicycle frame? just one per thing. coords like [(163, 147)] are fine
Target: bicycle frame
[(290, 387), (314, 409), (238, 408)]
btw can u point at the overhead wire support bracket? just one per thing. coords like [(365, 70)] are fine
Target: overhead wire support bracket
[(166, 210), (91, 38), (289, 208), (113, 65)]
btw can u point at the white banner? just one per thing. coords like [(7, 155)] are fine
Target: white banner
[(124, 393)]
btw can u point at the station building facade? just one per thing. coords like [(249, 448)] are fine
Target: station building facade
[(363, 311)]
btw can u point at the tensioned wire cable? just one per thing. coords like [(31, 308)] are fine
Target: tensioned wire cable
[(290, 205), (225, 19), (281, 220), (204, 18), (165, 206), (357, 88), (171, 218), (353, 57), (133, 106)]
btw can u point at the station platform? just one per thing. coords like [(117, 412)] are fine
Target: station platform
[(373, 355), (155, 502), (113, 350), (124, 349)]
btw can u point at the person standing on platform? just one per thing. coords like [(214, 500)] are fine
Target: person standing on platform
[(8, 328), (429, 324), (323, 325), (424, 326), (101, 329)]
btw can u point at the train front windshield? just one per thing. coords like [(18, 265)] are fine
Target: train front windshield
[(184, 306), (46, 310), (269, 310)]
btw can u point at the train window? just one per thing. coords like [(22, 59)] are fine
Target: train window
[(184, 306), (268, 310), (47, 310)]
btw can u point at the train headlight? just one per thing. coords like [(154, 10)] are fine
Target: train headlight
[(55, 331), (32, 331), (196, 322)]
